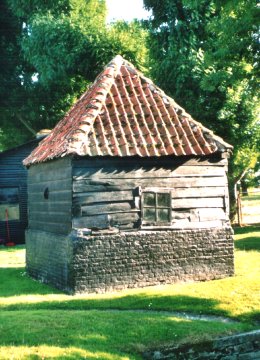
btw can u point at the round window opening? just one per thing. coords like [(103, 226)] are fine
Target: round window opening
[(46, 193)]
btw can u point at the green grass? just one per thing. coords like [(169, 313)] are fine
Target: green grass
[(251, 207), (39, 322)]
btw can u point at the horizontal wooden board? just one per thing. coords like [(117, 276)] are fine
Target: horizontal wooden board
[(166, 161), (52, 166), (50, 227), (49, 216), (181, 215), (49, 172), (12, 172), (199, 214), (54, 185), (135, 173), (184, 224), (118, 219), (105, 208), (206, 214), (59, 196), (9, 181), (104, 221), (192, 192), (62, 206), (104, 196), (188, 203), (91, 222), (50, 176), (89, 185)]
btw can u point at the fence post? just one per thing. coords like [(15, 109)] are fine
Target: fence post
[(239, 209)]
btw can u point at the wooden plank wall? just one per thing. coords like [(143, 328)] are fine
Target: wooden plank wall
[(14, 175), (106, 192), (52, 214)]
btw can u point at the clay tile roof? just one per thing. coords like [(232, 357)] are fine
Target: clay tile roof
[(124, 114)]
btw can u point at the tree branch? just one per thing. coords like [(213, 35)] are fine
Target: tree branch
[(28, 127)]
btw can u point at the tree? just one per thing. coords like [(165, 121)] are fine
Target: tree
[(12, 66), (58, 48), (209, 62)]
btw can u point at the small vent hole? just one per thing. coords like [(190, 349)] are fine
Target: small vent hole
[(46, 193)]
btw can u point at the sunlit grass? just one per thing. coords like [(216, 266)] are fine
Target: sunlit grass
[(54, 352), (12, 256), (236, 296), (251, 207), (104, 334), (37, 321)]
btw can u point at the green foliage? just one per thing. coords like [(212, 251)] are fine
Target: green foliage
[(58, 47), (203, 53), (177, 54), (209, 62), (27, 8)]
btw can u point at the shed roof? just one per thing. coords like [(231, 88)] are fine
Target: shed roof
[(124, 114)]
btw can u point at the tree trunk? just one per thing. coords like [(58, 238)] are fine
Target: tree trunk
[(244, 189)]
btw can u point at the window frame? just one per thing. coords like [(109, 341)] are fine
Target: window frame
[(8, 205), (157, 222)]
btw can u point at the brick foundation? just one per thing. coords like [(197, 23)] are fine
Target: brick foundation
[(48, 257), (132, 259), (127, 260)]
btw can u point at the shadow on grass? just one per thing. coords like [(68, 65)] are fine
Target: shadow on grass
[(142, 302), (244, 230), (106, 334), (251, 197), (249, 243), (14, 282)]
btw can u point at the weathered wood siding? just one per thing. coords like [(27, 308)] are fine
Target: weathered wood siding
[(106, 192), (14, 175), (50, 196)]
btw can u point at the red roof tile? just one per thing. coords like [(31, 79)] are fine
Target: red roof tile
[(125, 114)]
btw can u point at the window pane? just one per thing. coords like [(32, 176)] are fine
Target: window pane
[(9, 200), (163, 215), (163, 200), (8, 195), (13, 212), (149, 199), (149, 214)]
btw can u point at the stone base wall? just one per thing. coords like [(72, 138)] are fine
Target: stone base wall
[(48, 257), (244, 346), (100, 263), (136, 259)]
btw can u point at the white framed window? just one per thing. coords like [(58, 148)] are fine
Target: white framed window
[(156, 207)]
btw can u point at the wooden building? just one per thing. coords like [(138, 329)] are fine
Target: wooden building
[(128, 190), (13, 193)]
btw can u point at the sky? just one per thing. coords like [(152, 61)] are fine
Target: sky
[(126, 10)]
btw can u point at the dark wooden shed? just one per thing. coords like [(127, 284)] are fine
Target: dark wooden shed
[(13, 193), (128, 190)]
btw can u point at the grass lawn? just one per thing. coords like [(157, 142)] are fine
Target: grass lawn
[(251, 207), (39, 322)]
